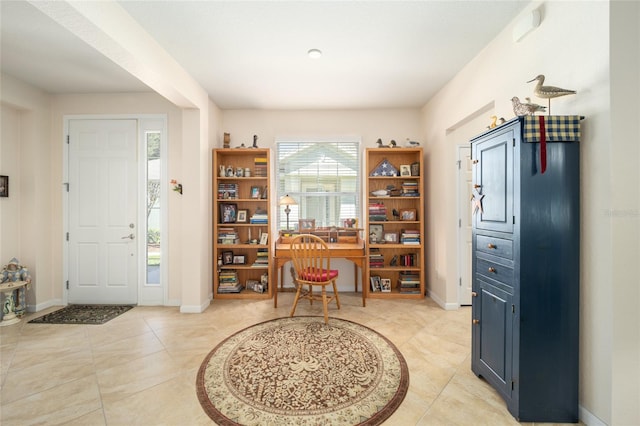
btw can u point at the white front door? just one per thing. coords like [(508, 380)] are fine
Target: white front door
[(464, 224), (103, 211)]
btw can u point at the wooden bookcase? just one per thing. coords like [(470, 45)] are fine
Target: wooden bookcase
[(396, 255), (241, 220)]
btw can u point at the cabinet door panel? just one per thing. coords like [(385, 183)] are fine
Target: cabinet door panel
[(494, 180), (494, 337)]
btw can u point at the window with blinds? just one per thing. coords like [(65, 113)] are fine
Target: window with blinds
[(323, 177)]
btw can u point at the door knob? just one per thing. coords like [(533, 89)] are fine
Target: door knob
[(474, 294), (130, 236)]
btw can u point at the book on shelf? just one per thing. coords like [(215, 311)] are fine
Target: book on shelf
[(409, 189), (260, 166), (376, 259), (377, 212), (227, 191), (262, 258), (227, 236), (228, 282), (409, 282), (410, 237)]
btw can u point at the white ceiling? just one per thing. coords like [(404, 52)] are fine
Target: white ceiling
[(252, 54)]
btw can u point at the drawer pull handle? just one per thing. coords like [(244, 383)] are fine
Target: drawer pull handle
[(492, 269), (491, 246), (476, 321), (475, 161), (474, 294), (475, 185)]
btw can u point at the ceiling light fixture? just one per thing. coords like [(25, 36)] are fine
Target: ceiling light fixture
[(314, 53)]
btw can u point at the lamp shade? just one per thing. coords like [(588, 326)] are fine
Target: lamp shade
[(287, 201)]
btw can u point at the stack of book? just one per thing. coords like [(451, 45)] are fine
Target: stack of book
[(227, 236), (410, 237), (227, 190), (409, 282), (262, 258), (260, 166), (228, 282), (259, 217), (377, 212), (410, 189), (376, 259)]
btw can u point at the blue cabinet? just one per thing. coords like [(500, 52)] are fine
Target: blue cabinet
[(525, 263)]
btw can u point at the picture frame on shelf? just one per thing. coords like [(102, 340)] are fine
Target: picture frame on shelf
[(415, 169), (227, 257), (376, 233), (385, 285), (238, 259), (405, 170), (228, 212), (375, 283), (242, 216), (256, 192), (4, 186), (391, 237), (408, 214), (306, 225), (264, 238)]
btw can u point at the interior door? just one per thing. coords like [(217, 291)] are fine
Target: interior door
[(102, 211), (464, 223)]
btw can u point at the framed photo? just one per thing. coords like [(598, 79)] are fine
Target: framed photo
[(4, 186), (306, 225), (227, 257), (228, 213), (242, 216), (390, 237), (415, 169), (375, 283), (385, 285), (264, 238), (256, 192), (238, 259), (408, 214), (405, 170), (376, 233)]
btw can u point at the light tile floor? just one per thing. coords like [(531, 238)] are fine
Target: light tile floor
[(140, 368)]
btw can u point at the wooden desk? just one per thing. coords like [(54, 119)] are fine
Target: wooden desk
[(353, 252)]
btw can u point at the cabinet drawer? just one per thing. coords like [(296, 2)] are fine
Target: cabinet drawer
[(495, 271), (495, 246)]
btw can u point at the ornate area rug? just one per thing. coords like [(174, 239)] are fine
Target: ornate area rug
[(299, 371), (83, 314)]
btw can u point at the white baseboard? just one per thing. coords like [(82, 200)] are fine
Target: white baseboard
[(442, 303), (588, 418), (193, 309), (44, 305)]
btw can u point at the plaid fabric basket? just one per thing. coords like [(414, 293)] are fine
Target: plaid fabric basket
[(558, 128)]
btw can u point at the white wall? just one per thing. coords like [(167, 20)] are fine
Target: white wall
[(571, 47), (367, 125), (26, 214)]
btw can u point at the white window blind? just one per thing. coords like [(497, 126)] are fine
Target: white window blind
[(323, 177)]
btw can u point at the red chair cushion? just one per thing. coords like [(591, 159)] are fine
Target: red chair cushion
[(319, 274)]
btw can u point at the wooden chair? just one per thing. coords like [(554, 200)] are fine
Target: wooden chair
[(312, 265)]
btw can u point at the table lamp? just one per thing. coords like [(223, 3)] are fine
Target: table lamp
[(287, 201)]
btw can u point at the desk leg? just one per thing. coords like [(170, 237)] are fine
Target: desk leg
[(363, 274), (277, 287), (355, 277)]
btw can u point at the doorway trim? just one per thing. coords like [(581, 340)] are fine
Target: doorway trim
[(154, 295)]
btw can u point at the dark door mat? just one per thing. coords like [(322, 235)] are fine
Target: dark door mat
[(83, 314)]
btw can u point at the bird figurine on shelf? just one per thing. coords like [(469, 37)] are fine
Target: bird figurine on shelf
[(392, 144), (527, 108), (412, 144), (379, 143), (548, 92)]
